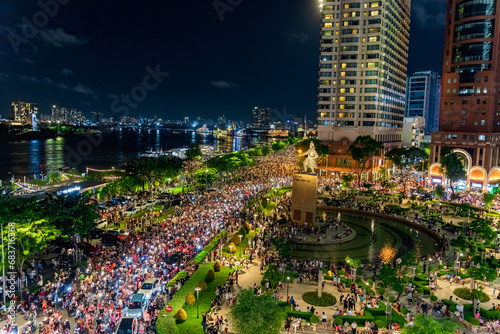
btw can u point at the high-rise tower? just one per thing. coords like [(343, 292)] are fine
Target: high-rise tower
[(470, 101), (362, 72)]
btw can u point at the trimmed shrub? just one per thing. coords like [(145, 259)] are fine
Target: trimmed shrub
[(441, 267), (190, 300), (311, 297), (314, 319), (217, 266), (341, 272), (180, 316), (338, 321), (235, 241), (370, 281), (474, 322), (210, 275), (246, 226), (434, 298), (420, 291), (405, 271), (391, 299), (404, 311), (467, 294), (202, 285), (453, 309), (380, 323)]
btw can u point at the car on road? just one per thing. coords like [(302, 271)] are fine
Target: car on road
[(174, 258), (136, 306), (128, 325), (150, 288), (114, 235), (88, 249)]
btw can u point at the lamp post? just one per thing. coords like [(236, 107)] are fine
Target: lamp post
[(295, 325), (230, 248), (197, 304), (240, 243), (287, 286)]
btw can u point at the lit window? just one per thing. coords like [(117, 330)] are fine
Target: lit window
[(328, 17), (482, 137), (341, 98), (374, 13), (342, 74), (342, 90), (328, 25), (372, 39), (342, 106), (485, 90), (483, 122)]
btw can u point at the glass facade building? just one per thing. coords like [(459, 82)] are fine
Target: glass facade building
[(423, 94)]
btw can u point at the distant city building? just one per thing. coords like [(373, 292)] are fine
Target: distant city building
[(261, 117), (186, 120), (97, 117), (221, 121), (413, 131), (23, 111), (68, 116), (423, 95)]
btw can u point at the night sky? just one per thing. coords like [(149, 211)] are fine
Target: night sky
[(251, 53)]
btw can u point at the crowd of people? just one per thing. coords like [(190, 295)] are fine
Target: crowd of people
[(96, 297)]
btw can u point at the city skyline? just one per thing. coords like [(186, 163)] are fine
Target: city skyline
[(87, 64)]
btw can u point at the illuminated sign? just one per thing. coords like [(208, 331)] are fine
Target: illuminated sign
[(69, 190), (477, 185), (436, 180)]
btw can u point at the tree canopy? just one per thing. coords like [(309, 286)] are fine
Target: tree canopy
[(362, 150), (429, 325), (452, 165), (256, 314), (194, 152)]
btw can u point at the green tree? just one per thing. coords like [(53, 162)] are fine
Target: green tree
[(406, 159), (362, 150), (346, 180), (429, 325), (193, 152), (488, 199), (256, 314), (206, 176), (439, 191), (482, 273), (452, 165)]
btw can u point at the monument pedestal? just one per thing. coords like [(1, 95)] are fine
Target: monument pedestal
[(304, 194)]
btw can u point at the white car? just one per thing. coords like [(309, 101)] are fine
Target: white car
[(150, 288)]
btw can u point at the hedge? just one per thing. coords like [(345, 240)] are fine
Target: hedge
[(210, 247), (466, 294), (326, 299), (180, 274)]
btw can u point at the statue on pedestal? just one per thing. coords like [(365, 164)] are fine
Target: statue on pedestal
[(310, 161)]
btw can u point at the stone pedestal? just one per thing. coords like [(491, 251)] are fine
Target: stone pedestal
[(304, 194)]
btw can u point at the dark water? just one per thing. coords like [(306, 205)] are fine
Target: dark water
[(371, 238), (23, 158)]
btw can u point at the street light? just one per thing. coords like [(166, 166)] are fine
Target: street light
[(287, 286), (230, 248), (197, 304), (295, 325), (240, 243)]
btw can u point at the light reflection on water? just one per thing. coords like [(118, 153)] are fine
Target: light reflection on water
[(372, 235), (23, 158)]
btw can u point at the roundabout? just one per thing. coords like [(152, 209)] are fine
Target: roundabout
[(369, 235)]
